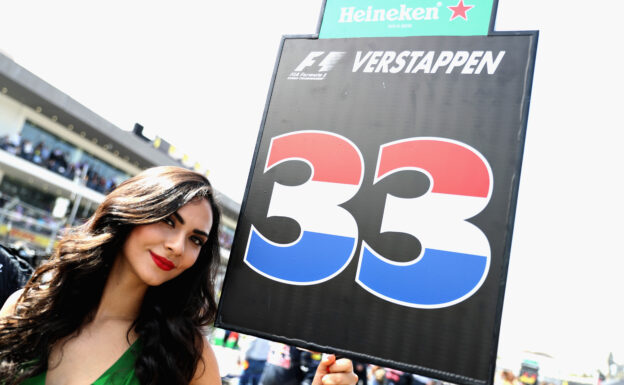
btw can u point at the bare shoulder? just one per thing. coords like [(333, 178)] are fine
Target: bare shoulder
[(9, 305), (207, 372)]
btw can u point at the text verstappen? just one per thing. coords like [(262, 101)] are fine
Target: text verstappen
[(428, 62)]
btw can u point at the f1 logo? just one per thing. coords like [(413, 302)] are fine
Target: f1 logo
[(325, 65)]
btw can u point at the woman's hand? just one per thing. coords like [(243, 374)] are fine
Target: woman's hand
[(335, 372)]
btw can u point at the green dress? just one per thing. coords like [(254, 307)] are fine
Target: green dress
[(120, 373)]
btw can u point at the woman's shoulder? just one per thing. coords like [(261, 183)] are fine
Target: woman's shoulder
[(207, 371), (9, 305)]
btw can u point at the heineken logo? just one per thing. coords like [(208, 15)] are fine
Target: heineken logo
[(401, 13), (374, 18)]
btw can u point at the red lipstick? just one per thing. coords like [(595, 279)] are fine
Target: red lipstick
[(161, 262)]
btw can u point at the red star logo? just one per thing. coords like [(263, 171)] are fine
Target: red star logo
[(460, 10)]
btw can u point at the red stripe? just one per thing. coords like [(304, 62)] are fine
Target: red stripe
[(455, 169), (334, 159)]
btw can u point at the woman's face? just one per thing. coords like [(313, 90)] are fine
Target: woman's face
[(161, 251)]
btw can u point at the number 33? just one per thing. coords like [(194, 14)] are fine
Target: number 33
[(455, 255)]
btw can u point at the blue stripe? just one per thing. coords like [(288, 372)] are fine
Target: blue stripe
[(315, 257), (438, 278)]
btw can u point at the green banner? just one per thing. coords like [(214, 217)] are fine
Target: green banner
[(387, 18)]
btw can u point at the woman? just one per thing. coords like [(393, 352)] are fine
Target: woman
[(124, 297)]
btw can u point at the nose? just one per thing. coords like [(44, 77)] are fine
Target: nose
[(175, 243)]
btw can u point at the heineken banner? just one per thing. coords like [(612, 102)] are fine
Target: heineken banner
[(371, 18), (378, 215)]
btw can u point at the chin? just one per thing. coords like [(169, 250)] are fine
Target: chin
[(159, 279), (158, 282), (154, 280)]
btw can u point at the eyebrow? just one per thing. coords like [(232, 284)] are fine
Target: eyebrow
[(200, 232), (181, 220), (178, 217)]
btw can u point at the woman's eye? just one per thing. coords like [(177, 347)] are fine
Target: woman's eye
[(197, 241), (169, 221)]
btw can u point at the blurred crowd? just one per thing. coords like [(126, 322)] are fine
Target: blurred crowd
[(263, 362), (55, 159), (25, 216), (26, 228)]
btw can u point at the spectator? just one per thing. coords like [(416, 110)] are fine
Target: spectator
[(360, 370), (57, 161), (393, 377), (45, 152), (309, 362), (255, 352), (282, 366), (27, 150), (378, 375), (11, 143), (38, 153)]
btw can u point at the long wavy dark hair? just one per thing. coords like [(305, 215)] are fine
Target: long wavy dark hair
[(63, 294)]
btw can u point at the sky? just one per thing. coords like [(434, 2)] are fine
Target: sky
[(197, 74)]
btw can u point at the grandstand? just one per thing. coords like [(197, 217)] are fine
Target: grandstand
[(58, 159)]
